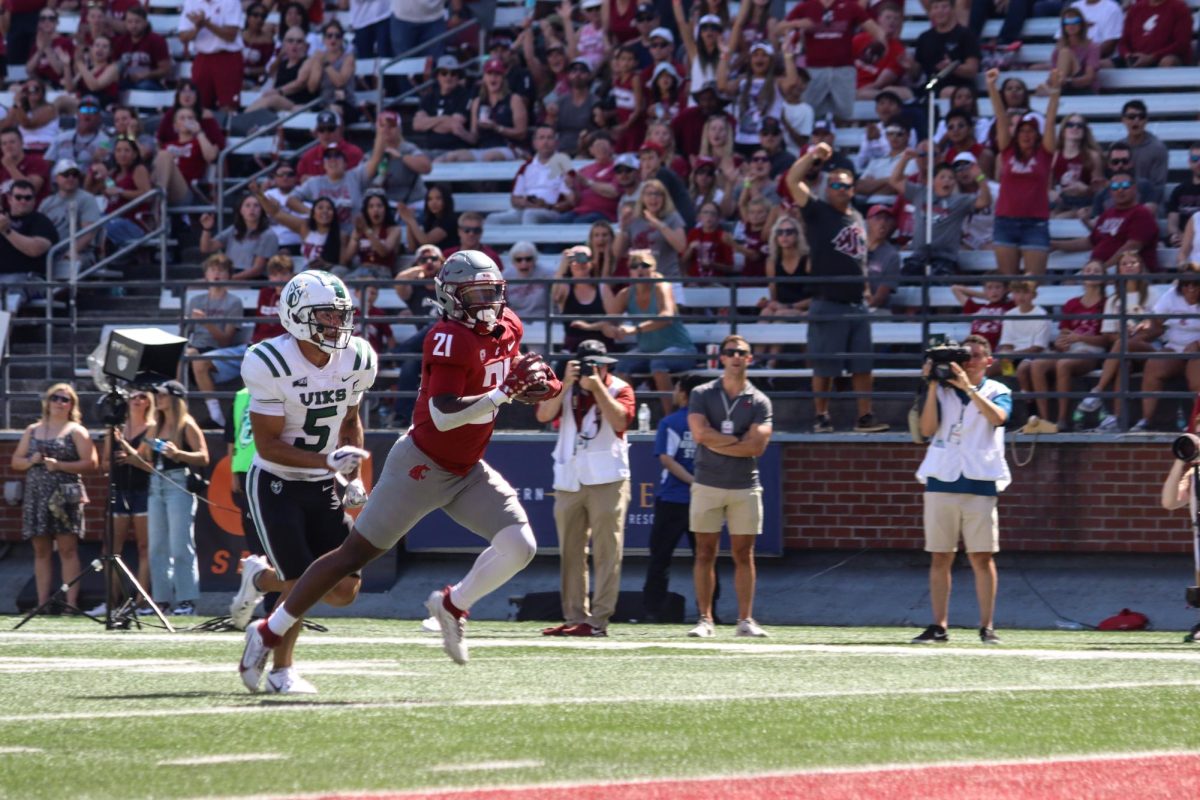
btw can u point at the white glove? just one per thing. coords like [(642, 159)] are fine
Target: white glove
[(346, 459), (356, 494)]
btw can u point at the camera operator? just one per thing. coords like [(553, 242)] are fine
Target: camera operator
[(591, 485), (963, 471), (1178, 491)]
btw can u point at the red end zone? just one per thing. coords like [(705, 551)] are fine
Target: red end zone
[(1150, 777)]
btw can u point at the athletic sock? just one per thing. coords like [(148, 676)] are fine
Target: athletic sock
[(510, 551), (280, 621)]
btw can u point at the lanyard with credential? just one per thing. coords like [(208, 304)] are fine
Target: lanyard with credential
[(727, 423)]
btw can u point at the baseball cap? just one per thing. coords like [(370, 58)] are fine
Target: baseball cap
[(825, 125), (711, 19), (581, 62), (646, 10), (770, 125), (626, 160), (964, 158), (495, 66), (663, 33), (391, 116), (594, 351), (587, 5), (450, 63), (498, 39), (654, 146), (173, 388), (705, 162), (1031, 117), (327, 119), (878, 209), (333, 151), (764, 46), (707, 86), (664, 66), (65, 165)]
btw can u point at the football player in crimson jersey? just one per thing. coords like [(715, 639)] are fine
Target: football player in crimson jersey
[(471, 366)]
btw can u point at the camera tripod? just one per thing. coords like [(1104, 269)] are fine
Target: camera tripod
[(114, 569)]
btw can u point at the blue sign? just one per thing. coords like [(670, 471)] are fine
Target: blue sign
[(527, 466)]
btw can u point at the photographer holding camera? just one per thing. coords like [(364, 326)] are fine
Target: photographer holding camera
[(591, 485), (963, 471), (1179, 490)]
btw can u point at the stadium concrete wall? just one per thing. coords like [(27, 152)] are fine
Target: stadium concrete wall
[(1087, 497)]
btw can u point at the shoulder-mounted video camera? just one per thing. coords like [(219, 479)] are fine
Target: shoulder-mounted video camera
[(943, 352)]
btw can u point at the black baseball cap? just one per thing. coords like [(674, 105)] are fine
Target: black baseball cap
[(594, 351)]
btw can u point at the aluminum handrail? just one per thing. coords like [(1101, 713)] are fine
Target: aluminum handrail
[(223, 190), (74, 277)]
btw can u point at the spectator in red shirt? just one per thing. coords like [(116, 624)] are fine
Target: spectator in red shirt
[(595, 186), (709, 251), (1127, 225), (828, 27), (880, 66), (990, 313), (1157, 33), (144, 56), (184, 159), (17, 165), (279, 272), (328, 131), (50, 52), (186, 96), (688, 125)]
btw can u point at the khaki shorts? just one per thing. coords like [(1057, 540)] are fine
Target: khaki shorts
[(949, 515), (740, 508)]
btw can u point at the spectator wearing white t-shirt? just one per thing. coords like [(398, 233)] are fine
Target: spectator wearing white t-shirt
[(1179, 334), (540, 194), (1021, 338)]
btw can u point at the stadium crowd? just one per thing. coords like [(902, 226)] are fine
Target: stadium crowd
[(672, 130)]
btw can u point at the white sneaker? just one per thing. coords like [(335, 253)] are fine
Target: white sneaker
[(703, 630), (287, 681), (254, 657), (453, 628), (1108, 424), (248, 595), (431, 625), (99, 611), (748, 627), (1090, 404)]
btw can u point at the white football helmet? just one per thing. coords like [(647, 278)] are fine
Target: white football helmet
[(312, 292), (470, 289)]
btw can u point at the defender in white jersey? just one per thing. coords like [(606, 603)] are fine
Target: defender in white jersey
[(305, 388)]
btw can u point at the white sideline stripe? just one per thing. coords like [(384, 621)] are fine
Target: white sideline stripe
[(593, 701), (4, 751), (480, 791), (366, 667), (691, 645), (235, 758), (485, 766)]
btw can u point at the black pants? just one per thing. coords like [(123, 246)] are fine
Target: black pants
[(670, 523)]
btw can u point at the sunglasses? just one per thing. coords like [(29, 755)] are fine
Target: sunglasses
[(327, 129), (660, 45), (60, 398), (428, 260), (1121, 184), (1120, 160), (735, 352), (786, 232), (445, 73), (760, 159), (638, 265), (1195, 159), (285, 173), (24, 198), (1074, 125), (710, 27), (258, 14), (523, 259), (1133, 117), (472, 229), (1073, 21), (644, 17), (292, 40), (840, 185), (334, 35)]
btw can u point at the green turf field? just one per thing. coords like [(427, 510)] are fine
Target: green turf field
[(87, 713)]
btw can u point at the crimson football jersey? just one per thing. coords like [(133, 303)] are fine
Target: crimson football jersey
[(458, 361)]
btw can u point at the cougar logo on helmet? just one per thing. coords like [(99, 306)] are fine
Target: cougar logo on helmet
[(470, 289), (316, 305)]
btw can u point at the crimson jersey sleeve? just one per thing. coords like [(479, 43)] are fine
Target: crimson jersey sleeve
[(628, 402)]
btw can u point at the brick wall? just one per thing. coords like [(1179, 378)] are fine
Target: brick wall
[(1087, 497)]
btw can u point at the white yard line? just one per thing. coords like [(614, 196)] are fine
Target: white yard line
[(274, 707), (235, 758), (4, 751)]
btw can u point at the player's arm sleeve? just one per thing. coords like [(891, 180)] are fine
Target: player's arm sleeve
[(260, 372), (448, 408)]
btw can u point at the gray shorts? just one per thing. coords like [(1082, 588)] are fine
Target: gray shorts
[(411, 485), (831, 89), (830, 340)]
